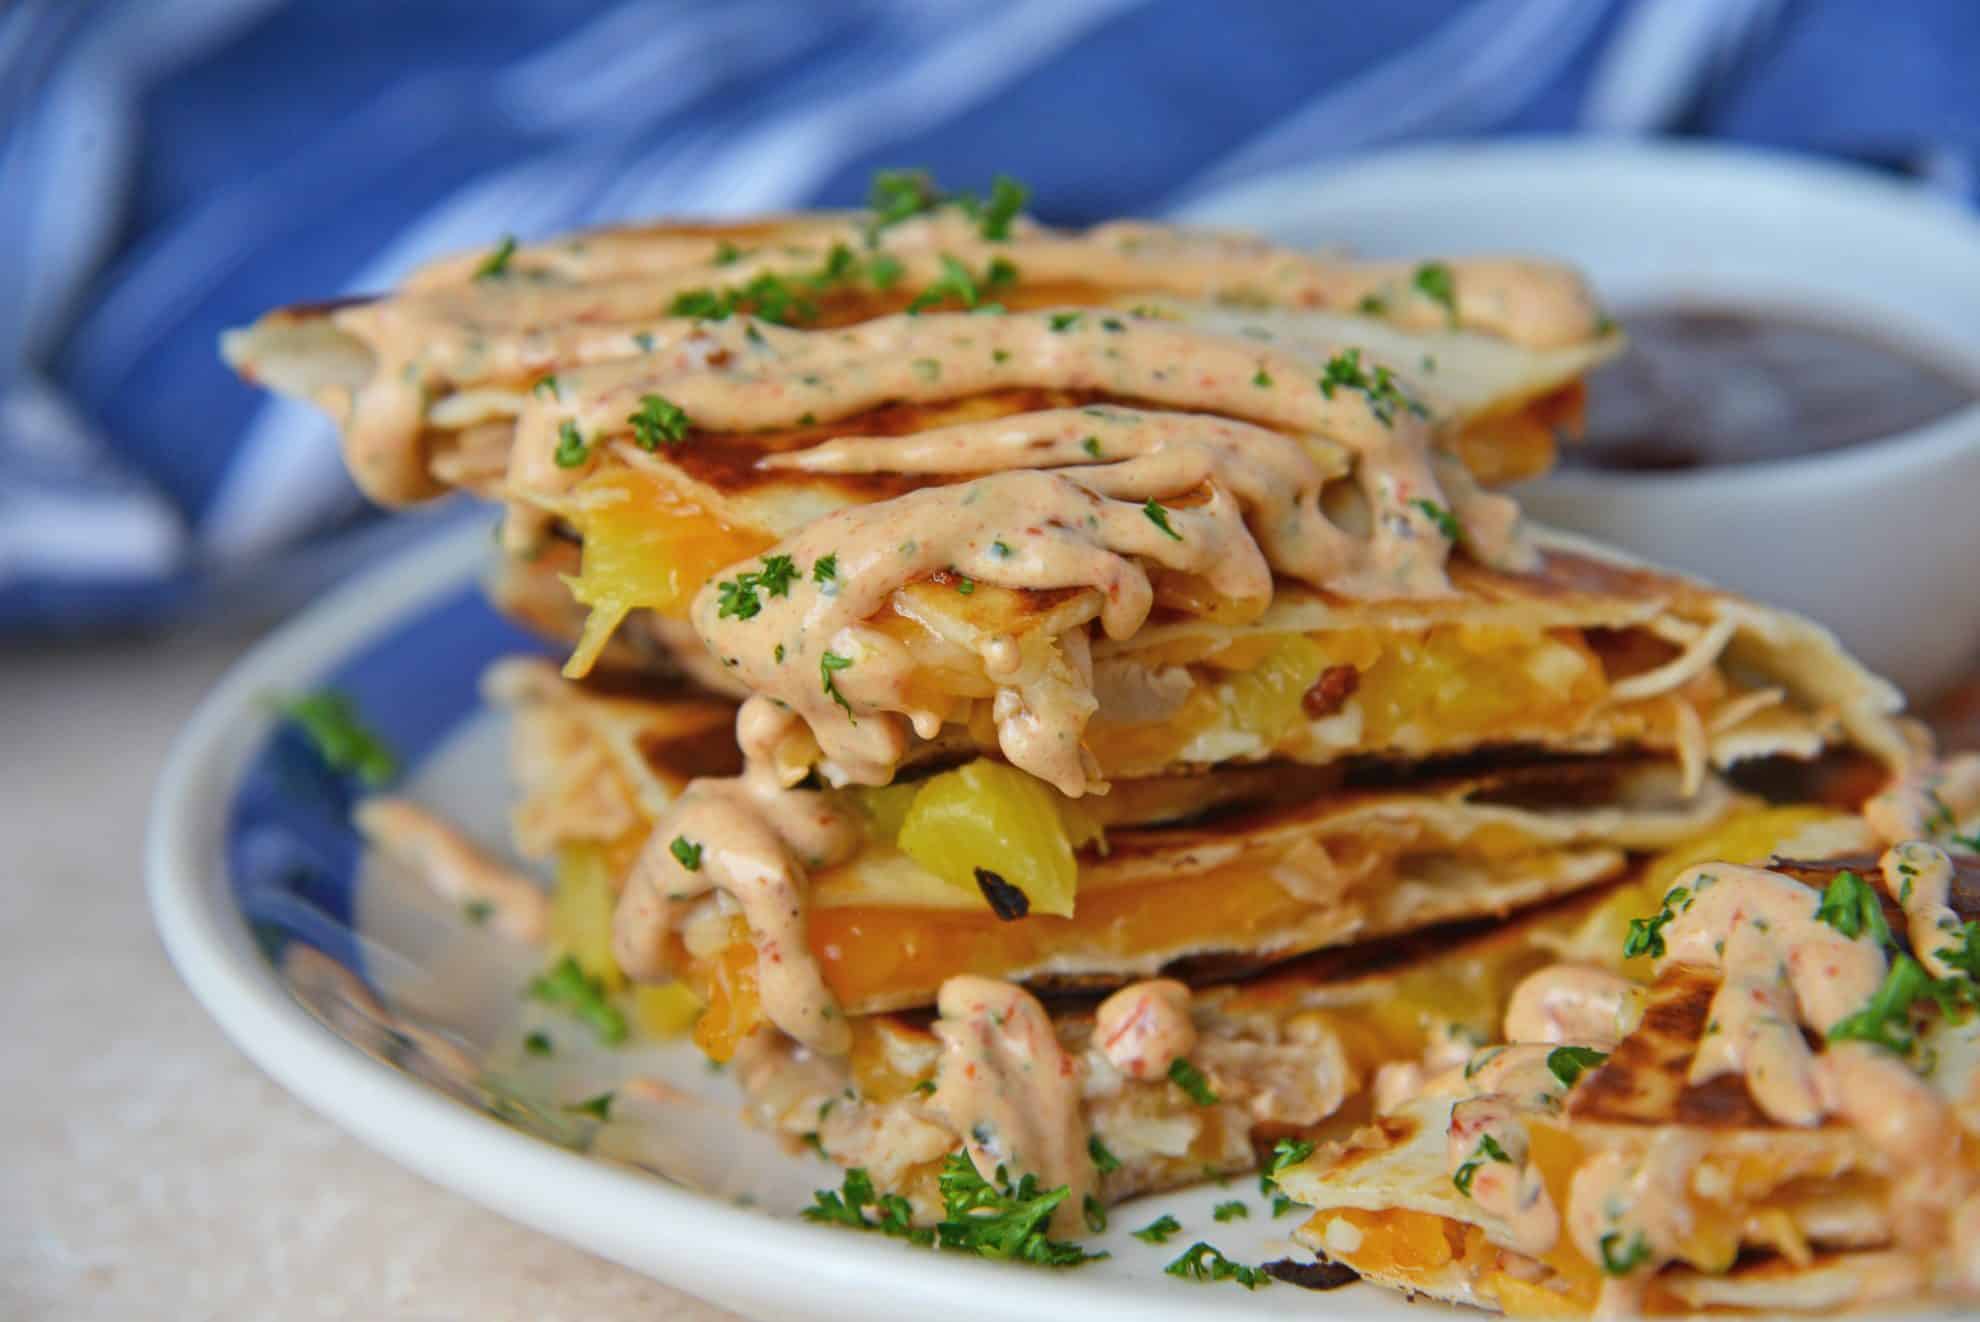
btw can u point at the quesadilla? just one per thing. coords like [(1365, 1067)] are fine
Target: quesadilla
[(1298, 1054), (1586, 652), (1146, 418), (979, 869), (1781, 1112), (429, 379)]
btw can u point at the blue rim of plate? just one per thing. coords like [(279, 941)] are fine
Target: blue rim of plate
[(292, 853)]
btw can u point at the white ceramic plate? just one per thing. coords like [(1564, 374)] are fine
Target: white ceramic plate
[(389, 1012)]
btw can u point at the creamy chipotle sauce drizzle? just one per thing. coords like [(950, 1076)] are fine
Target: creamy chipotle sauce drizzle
[(453, 865), (1784, 974), (1006, 1086), (752, 839), (1224, 491), (1145, 1027), (585, 299)]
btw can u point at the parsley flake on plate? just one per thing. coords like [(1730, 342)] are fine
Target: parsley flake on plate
[(329, 720)]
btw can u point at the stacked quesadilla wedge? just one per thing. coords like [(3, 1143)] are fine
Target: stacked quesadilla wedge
[(989, 646), (1762, 1099)]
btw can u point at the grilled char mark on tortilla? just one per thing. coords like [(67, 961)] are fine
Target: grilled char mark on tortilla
[(1643, 1082)]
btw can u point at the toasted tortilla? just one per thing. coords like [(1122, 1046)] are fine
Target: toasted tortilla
[(1785, 1218), (1588, 652), (481, 326), (1202, 874), (1286, 1055)]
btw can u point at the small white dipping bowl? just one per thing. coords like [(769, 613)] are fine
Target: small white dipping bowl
[(1880, 541)]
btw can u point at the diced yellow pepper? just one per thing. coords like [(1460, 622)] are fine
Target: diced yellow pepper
[(665, 1010), (994, 817), (581, 913)]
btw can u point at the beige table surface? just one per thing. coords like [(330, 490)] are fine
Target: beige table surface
[(147, 1170)]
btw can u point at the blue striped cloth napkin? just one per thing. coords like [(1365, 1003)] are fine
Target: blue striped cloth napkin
[(172, 167)]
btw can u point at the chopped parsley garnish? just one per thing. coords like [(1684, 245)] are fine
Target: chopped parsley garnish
[(884, 271), (659, 422), (1886, 1020), (330, 721), (1190, 1079), (1488, 1149), (537, 1043), (548, 385), (1159, 516), (828, 663), (776, 575), (1262, 379), (1092, 446), (825, 568), (598, 1108), (1201, 1262), (926, 369), (1646, 935), (701, 304), (1104, 1161), (845, 1207), (1569, 1063), (572, 449), (1372, 305), (738, 596), (840, 267), (1620, 1259), (478, 912), (496, 264), (926, 1087), (999, 1220), (686, 852), (993, 218), (568, 987), (1385, 397), (1435, 282), (1158, 1231), (727, 254), (1446, 521), (895, 195), (768, 296), (1001, 272), (1095, 1213), (1064, 321), (1234, 1210), (955, 282), (1850, 905), (965, 586), (1286, 1152)]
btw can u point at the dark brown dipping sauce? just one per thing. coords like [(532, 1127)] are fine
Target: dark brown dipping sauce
[(1701, 386)]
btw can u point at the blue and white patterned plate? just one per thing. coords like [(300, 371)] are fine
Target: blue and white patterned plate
[(379, 1004)]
